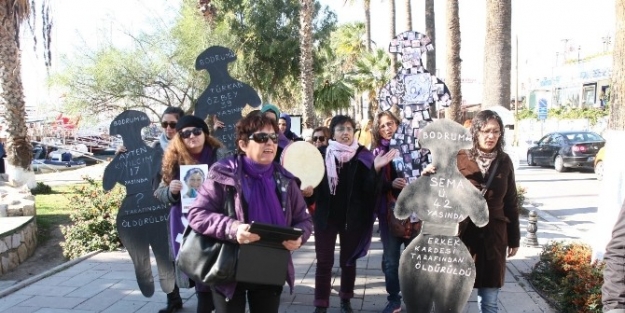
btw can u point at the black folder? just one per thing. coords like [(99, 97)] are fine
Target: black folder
[(265, 261)]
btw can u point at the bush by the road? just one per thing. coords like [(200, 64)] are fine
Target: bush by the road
[(93, 215), (566, 276)]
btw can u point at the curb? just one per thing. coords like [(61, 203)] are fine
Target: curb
[(554, 221), (50, 272)]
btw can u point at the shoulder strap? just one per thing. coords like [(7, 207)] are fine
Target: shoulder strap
[(492, 172), (229, 203)]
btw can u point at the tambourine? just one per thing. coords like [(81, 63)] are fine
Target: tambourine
[(304, 161)]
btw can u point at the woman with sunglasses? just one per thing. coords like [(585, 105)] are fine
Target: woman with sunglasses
[(344, 208), (320, 136), (264, 192), (192, 144), (170, 117)]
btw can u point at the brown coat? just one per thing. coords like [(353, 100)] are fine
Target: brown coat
[(488, 245)]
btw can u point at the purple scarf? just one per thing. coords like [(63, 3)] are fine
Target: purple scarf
[(382, 147), (259, 190)]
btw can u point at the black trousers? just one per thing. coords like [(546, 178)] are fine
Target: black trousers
[(261, 299)]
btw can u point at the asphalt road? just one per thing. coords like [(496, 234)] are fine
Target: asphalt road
[(571, 196)]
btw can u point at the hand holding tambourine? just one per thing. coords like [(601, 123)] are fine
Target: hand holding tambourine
[(305, 162)]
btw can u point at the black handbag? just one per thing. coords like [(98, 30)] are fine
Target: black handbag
[(206, 259)]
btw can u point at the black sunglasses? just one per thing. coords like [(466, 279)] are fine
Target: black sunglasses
[(320, 138), (171, 125), (187, 133), (264, 137)]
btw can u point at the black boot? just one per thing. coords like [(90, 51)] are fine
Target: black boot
[(174, 302), (346, 306)]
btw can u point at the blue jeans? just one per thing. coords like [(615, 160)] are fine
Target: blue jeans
[(487, 300), (390, 263)]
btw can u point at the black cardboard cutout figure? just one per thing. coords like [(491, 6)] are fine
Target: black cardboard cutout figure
[(436, 269), (413, 90), (225, 97), (142, 219)]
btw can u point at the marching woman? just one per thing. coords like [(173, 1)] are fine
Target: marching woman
[(191, 144), (264, 192), (491, 245), (344, 208), (390, 185)]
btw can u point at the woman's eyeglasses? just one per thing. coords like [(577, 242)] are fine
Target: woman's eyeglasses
[(318, 138), (264, 137), (171, 125), (187, 133)]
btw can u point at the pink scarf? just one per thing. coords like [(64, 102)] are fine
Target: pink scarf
[(343, 154)]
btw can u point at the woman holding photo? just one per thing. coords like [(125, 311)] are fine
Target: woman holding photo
[(191, 144)]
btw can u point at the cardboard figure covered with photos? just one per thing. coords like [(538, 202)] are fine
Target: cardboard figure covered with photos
[(224, 97), (436, 269), (142, 219), (413, 90)]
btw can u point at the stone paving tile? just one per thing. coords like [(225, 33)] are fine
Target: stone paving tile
[(49, 310), (125, 306), (23, 309), (103, 300), (83, 278), (11, 300), (53, 302), (35, 289), (128, 284), (92, 288)]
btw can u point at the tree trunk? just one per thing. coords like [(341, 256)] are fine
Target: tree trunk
[(368, 22), (430, 30), (18, 147), (617, 94), (393, 33), (453, 61), (306, 60), (408, 7), (497, 54)]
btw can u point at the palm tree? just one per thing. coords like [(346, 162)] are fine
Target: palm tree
[(617, 109), (19, 150), (306, 61), (430, 30), (367, 7), (497, 54), (371, 72), (408, 8), (348, 45), (332, 96), (393, 31), (453, 60)]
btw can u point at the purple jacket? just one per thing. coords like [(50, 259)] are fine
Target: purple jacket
[(205, 214)]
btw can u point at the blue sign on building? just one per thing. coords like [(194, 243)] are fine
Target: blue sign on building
[(542, 109)]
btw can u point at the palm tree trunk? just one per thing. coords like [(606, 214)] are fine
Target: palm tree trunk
[(393, 32), (617, 107), (408, 8), (18, 147), (430, 30), (453, 61), (368, 22), (497, 54), (306, 59)]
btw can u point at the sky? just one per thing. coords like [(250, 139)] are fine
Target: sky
[(540, 25)]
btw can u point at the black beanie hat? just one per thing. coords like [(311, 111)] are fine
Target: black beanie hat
[(191, 121)]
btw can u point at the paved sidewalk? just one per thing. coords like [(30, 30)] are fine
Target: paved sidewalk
[(105, 282)]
